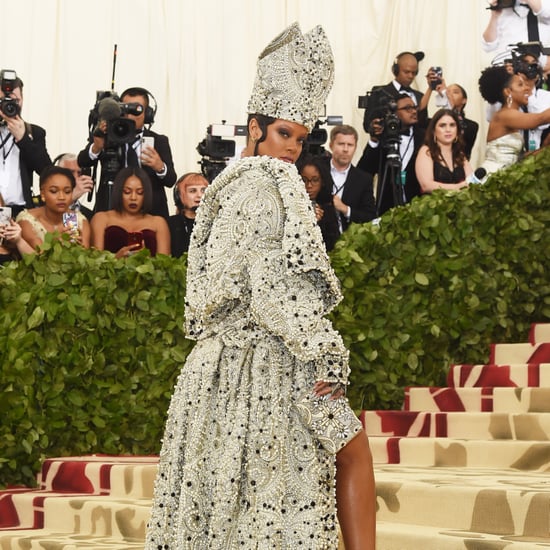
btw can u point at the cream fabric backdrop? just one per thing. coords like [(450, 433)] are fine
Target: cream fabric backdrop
[(198, 57)]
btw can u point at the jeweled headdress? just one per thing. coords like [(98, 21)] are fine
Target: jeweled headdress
[(294, 77)]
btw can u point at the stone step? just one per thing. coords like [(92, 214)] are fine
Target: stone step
[(465, 453), (500, 502), (460, 425), (396, 536), (512, 400), (522, 375), (539, 333), (509, 354)]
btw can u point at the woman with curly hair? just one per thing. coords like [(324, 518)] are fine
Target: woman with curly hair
[(505, 143), (441, 162)]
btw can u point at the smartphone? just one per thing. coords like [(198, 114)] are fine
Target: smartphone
[(70, 220), (86, 171), (135, 237), (439, 73), (5, 215), (148, 141)]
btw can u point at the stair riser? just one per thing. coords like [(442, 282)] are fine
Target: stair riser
[(490, 426)]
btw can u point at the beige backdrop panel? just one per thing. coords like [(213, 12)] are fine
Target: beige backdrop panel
[(198, 57)]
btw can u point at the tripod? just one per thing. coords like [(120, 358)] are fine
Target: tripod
[(391, 175)]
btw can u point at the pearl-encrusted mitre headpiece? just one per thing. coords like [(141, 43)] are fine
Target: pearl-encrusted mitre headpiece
[(294, 77)]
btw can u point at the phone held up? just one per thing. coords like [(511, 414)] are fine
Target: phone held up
[(438, 71), (5, 217), (70, 221)]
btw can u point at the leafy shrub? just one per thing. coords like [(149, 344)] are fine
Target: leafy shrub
[(89, 350), (441, 278)]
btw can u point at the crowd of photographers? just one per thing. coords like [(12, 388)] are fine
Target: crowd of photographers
[(125, 168)]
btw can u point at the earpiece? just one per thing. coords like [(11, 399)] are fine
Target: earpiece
[(150, 110)]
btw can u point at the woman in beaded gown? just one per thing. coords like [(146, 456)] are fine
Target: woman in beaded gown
[(260, 442), (505, 143)]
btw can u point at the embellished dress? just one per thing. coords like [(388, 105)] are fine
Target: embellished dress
[(503, 152), (248, 455)]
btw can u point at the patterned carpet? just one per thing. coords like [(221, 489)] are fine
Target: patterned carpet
[(463, 467)]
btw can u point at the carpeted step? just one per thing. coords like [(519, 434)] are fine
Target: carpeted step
[(509, 354), (539, 333), (40, 539), (513, 400), (466, 453), (523, 375), (505, 503), (398, 536), (459, 425), (121, 478), (131, 476)]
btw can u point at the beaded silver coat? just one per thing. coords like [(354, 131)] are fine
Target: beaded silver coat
[(248, 455)]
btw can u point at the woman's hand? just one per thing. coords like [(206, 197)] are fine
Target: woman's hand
[(319, 212), (11, 232), (126, 251), (333, 390)]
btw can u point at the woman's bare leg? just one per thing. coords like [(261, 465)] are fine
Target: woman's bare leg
[(356, 494)]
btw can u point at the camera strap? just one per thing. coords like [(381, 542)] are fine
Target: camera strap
[(532, 27), (6, 154)]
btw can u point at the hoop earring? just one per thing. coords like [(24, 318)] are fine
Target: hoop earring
[(509, 100)]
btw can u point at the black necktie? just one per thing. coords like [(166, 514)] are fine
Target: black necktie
[(406, 89), (532, 27)]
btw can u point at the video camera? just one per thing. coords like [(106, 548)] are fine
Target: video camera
[(108, 108), (318, 136), (378, 104), (216, 151), (9, 105)]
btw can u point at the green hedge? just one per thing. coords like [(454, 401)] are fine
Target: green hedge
[(440, 279), (89, 350), (90, 346)]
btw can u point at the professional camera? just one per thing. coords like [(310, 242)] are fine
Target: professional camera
[(216, 151), (109, 108), (502, 4), (378, 104), (318, 136), (8, 105), (519, 65)]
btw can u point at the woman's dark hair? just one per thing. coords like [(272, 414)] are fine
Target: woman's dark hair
[(459, 155), (118, 187), (325, 193), (263, 122), (52, 170), (492, 82)]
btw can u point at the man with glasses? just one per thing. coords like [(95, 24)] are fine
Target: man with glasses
[(375, 157)]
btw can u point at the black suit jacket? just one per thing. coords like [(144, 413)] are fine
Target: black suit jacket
[(373, 161), (160, 204), (469, 134), (33, 157), (358, 194), (381, 95)]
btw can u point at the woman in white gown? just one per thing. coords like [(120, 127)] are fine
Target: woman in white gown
[(260, 442), (505, 144)]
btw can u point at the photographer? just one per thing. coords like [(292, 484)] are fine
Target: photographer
[(156, 160), (23, 146), (514, 21), (405, 70), (397, 184)]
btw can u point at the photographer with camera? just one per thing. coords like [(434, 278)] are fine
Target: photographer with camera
[(23, 146), (122, 138), (405, 70), (517, 21), (391, 153)]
